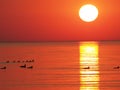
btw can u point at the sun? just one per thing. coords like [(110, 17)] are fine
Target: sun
[(88, 13)]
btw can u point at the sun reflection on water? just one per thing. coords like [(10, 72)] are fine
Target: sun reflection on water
[(89, 69)]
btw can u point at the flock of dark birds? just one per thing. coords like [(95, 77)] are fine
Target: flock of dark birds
[(21, 66), (31, 67), (116, 67)]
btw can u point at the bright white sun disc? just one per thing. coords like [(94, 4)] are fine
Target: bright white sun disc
[(88, 13)]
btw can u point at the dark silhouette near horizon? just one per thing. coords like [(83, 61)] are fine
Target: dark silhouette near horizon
[(18, 61), (117, 67), (3, 67), (27, 61), (32, 60), (30, 67), (7, 61), (86, 67), (23, 66), (14, 61)]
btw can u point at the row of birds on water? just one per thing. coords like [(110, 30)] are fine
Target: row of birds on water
[(22, 66), (24, 61), (116, 67)]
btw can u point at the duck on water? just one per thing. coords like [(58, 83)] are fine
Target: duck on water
[(23, 66), (3, 67), (86, 67)]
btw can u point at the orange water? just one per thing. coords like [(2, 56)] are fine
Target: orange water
[(57, 66)]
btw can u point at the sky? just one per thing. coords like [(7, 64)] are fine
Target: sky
[(57, 20)]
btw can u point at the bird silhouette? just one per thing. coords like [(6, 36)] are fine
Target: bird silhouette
[(86, 67), (3, 67), (14, 61), (32, 60), (27, 61), (23, 66), (7, 61), (30, 67), (117, 67), (18, 61)]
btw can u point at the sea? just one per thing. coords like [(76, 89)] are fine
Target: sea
[(85, 65)]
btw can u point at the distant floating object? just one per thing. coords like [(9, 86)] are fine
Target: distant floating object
[(23, 66), (117, 67), (3, 67), (7, 61), (13, 61), (86, 67), (27, 61), (30, 67), (18, 61), (32, 60)]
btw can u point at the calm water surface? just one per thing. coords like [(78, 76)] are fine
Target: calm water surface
[(60, 66)]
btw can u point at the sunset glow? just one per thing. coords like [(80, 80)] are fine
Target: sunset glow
[(89, 58), (46, 20)]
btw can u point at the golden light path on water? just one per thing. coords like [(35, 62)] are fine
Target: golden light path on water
[(89, 69)]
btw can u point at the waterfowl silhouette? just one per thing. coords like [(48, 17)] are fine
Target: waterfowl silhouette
[(23, 66), (117, 67), (13, 61), (27, 61), (86, 67), (7, 61), (30, 67), (32, 60), (3, 67), (18, 61)]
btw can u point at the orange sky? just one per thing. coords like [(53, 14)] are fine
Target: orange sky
[(57, 20)]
